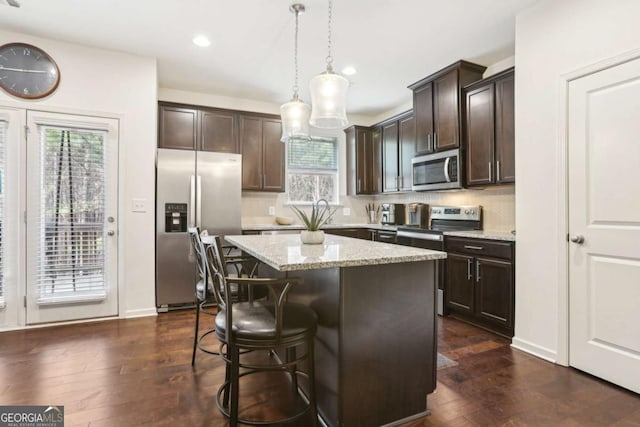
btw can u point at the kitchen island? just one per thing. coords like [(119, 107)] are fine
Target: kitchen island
[(375, 349)]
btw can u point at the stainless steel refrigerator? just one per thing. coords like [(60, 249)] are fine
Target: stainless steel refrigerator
[(192, 188)]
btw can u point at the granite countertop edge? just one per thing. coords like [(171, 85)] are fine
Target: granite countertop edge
[(312, 265)]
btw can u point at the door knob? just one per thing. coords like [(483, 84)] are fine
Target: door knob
[(577, 239), (111, 232)]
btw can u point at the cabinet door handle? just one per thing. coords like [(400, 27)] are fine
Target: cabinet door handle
[(498, 170), (192, 201), (401, 181), (474, 248), (490, 171), (359, 185), (429, 142), (435, 141), (477, 271), (469, 269)]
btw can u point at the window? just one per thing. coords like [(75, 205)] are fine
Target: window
[(71, 220), (312, 170)]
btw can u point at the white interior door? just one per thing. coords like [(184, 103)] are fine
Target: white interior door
[(71, 217), (604, 224)]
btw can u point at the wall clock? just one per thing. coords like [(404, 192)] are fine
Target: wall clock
[(27, 71)]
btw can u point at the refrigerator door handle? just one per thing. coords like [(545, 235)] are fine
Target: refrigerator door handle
[(192, 201), (199, 202)]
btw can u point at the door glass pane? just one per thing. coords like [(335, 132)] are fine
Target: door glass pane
[(71, 252)]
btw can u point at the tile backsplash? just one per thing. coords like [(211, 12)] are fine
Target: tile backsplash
[(498, 205)]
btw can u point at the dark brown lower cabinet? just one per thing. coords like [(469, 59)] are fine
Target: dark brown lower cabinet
[(357, 233), (460, 283), (479, 285)]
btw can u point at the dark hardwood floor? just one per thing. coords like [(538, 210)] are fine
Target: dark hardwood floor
[(137, 372)]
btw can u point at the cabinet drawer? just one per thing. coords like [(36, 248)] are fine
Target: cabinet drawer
[(491, 248)]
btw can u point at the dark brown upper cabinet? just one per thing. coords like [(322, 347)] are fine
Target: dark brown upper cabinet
[(398, 148), (437, 106), (263, 161), (197, 128), (256, 136), (489, 123), (178, 128), (363, 160), (219, 131)]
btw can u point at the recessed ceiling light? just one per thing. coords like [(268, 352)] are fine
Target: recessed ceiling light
[(201, 41), (349, 71)]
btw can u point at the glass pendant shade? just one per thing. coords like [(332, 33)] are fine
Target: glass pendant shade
[(295, 120), (329, 101)]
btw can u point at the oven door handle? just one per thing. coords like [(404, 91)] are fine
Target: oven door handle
[(420, 236), (446, 169)]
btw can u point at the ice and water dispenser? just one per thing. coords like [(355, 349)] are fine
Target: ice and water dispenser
[(175, 217)]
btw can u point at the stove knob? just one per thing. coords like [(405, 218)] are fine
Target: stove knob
[(466, 211)]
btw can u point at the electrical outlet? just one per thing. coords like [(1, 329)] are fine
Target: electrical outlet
[(272, 210), (346, 211), (139, 205)]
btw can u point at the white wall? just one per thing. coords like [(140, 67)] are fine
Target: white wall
[(553, 38), (124, 86)]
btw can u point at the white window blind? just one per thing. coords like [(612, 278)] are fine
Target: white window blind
[(70, 255), (3, 145), (312, 170)]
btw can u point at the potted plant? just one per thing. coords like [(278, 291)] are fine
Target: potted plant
[(320, 214)]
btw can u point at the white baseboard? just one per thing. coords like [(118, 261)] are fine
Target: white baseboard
[(534, 349), (142, 312)]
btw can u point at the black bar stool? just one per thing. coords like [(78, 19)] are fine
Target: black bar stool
[(260, 325), (205, 299)]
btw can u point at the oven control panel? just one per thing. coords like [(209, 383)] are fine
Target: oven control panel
[(467, 213)]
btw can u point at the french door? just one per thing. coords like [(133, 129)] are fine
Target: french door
[(71, 223), (12, 122)]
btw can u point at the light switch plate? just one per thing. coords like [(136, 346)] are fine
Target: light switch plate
[(139, 205), (346, 211), (272, 210)]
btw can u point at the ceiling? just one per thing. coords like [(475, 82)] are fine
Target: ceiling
[(391, 43)]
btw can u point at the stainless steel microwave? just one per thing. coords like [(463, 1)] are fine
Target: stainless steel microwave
[(437, 171)]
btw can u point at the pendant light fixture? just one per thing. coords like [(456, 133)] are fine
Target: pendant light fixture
[(329, 94), (295, 113)]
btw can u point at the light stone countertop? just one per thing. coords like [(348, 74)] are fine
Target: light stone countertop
[(477, 234), (484, 234), (269, 227), (285, 252)]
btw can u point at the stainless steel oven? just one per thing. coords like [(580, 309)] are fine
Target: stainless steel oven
[(437, 171)]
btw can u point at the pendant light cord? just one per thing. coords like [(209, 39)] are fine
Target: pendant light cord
[(295, 58), (329, 57)]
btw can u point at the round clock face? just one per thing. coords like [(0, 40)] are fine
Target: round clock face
[(27, 71)]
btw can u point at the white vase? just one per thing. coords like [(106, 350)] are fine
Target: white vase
[(312, 237)]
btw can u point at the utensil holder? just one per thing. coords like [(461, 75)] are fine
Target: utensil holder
[(373, 217)]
